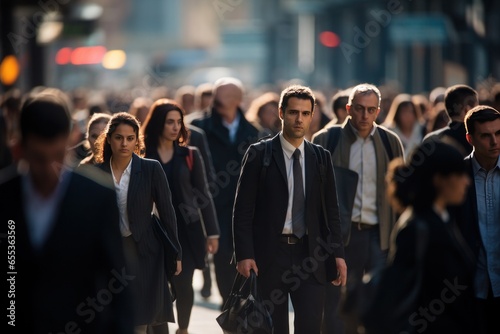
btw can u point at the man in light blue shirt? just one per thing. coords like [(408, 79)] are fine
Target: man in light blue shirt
[(481, 223)]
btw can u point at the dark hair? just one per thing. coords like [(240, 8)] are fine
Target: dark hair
[(412, 183), (339, 101), (45, 115), (298, 91), (103, 149), (254, 112), (480, 114), (457, 97), (155, 121)]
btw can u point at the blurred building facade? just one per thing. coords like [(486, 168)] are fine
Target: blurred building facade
[(325, 43)]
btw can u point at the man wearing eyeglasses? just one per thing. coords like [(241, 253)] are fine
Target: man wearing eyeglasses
[(361, 151)]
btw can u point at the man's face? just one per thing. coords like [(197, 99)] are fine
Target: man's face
[(486, 140), (227, 98), (364, 111), (297, 117), (45, 158)]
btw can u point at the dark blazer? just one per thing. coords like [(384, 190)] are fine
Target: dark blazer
[(198, 138), (192, 200), (227, 162), (259, 214), (466, 215), (448, 273), (456, 131), (82, 259), (148, 184)]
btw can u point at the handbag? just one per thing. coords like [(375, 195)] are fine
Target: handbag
[(171, 252), (244, 311)]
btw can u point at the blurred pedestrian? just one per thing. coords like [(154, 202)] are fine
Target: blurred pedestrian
[(95, 128), (203, 96), (263, 113), (140, 108), (428, 253), (458, 100), (479, 217), (166, 138), (184, 96), (405, 119), (339, 101), (229, 134), (363, 147), (279, 221), (140, 183), (321, 117), (68, 250)]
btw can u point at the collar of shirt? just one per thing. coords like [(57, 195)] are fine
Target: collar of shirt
[(444, 215), (356, 132), (232, 127), (126, 171), (289, 148), (476, 167)]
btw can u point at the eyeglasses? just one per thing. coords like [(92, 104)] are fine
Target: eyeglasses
[(361, 109)]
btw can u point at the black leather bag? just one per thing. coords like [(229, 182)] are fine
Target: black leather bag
[(244, 311), (171, 252)]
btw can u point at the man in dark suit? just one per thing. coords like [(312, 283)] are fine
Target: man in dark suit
[(280, 228), (479, 216), (229, 134), (67, 270), (458, 100)]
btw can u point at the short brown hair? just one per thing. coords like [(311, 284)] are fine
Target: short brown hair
[(298, 91), (480, 114)]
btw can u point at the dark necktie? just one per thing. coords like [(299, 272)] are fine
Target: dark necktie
[(298, 204)]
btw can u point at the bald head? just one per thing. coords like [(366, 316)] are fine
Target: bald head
[(228, 95)]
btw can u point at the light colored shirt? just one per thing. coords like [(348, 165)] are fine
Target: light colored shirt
[(288, 150), (409, 143), (488, 211), (41, 212), (232, 127), (363, 161), (121, 197)]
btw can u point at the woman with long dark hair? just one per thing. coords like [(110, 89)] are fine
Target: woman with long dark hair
[(95, 128), (166, 140), (430, 274), (140, 183)]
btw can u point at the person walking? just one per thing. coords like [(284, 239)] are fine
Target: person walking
[(140, 184), (279, 225), (166, 138)]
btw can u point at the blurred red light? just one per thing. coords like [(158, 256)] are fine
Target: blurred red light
[(88, 55), (63, 56), (329, 39)]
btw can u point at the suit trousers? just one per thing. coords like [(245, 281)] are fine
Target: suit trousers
[(291, 274), (362, 255)]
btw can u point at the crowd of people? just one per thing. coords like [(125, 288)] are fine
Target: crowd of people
[(313, 192)]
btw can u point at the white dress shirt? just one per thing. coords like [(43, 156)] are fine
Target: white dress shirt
[(363, 161), (288, 150), (121, 197), (41, 212)]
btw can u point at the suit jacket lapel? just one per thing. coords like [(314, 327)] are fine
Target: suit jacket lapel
[(278, 157), (135, 179)]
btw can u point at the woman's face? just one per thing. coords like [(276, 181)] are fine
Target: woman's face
[(172, 126), (123, 141), (94, 132), (269, 117), (406, 116), (452, 188)]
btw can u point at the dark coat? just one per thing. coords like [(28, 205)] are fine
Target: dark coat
[(259, 214), (456, 131), (448, 274), (227, 158), (81, 260), (196, 217)]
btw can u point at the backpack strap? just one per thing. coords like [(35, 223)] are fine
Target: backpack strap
[(266, 161), (387, 145), (189, 160), (333, 138)]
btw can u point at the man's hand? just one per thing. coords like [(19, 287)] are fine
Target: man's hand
[(244, 267), (179, 268), (212, 245), (342, 272)]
